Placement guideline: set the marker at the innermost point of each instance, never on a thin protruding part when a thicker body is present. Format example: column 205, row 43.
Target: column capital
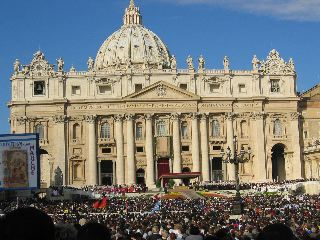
column 129, row 117
column 90, row 118
column 118, row 117
column 203, row 116
column 175, row 116
column 148, row 116
column 21, row 120
column 230, row 115
column 257, row 115
column 294, row 116
column 60, row 118
column 194, row 115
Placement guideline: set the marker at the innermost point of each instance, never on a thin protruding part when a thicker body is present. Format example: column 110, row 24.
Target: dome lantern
column 132, row 15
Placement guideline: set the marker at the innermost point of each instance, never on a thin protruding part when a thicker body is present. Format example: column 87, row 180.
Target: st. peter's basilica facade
column 133, row 116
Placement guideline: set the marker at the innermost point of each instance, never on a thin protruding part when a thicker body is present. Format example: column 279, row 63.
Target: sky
column 75, row 30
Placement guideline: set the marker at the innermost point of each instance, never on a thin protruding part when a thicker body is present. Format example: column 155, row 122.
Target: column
column 92, row 151
column 205, row 148
column 295, row 138
column 195, row 144
column 150, row 181
column 99, row 172
column 176, row 143
column 120, row 168
column 61, row 164
column 131, row 168
column 260, row 173
column 230, row 143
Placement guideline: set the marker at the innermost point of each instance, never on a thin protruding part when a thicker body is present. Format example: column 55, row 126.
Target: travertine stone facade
column 310, row 108
column 133, row 115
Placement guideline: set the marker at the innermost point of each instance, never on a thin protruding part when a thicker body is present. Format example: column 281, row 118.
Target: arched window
column 277, row 128
column 244, row 128
column 40, row 130
column 215, row 128
column 105, row 131
column 76, row 131
column 139, row 134
column 161, row 128
column 184, row 129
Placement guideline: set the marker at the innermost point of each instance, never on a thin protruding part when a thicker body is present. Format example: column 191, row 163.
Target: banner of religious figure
column 19, row 161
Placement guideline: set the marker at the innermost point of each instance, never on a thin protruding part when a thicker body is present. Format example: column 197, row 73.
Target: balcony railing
column 105, row 140
column 43, row 142
column 217, row 175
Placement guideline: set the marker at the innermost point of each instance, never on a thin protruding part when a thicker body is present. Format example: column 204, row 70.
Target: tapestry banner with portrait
column 19, row 161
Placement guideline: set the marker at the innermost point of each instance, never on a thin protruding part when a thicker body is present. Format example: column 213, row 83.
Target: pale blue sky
column 75, row 29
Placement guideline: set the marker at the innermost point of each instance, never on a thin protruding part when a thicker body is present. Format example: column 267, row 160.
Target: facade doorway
column 278, row 162
column 186, row 181
column 217, row 172
column 163, row 167
column 107, row 172
column 140, row 176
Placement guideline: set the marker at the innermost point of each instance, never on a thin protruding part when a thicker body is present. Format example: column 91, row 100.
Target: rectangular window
column 137, row 87
column 76, row 90
column 242, row 88
column 185, row 148
column 140, row 150
column 305, row 134
column 214, row 87
column 39, row 88
column 184, row 86
column 105, row 89
column 216, row 148
column 106, row 150
column 275, row 86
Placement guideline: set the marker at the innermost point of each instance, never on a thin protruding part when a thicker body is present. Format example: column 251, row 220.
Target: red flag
column 96, row 204
column 103, row 203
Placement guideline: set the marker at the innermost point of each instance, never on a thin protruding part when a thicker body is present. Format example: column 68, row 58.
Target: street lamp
column 238, row 157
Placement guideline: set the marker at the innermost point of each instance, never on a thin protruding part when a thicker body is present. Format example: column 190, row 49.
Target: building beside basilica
column 133, row 116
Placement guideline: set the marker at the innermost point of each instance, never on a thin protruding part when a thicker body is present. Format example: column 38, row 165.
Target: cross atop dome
column 132, row 15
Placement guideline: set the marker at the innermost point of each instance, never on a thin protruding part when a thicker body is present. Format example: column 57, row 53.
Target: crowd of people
column 147, row 217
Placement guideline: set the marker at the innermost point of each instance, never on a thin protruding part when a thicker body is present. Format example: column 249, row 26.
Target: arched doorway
column 107, row 172
column 140, row 176
column 186, row 181
column 216, row 167
column 278, row 162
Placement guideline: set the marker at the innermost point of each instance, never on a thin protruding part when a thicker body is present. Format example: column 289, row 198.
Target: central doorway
column 186, row 181
column 107, row 172
column 278, row 162
column 163, row 167
column 217, row 172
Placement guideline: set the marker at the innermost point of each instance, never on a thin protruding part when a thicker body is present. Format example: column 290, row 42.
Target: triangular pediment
column 162, row 90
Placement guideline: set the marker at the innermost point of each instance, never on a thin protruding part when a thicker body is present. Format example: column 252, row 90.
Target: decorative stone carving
column 129, row 117
column 295, row 115
column 173, row 63
column 90, row 118
column 275, row 65
column 148, row 116
column 39, row 66
column 190, row 63
column 72, row 69
column 90, row 64
column 175, row 116
column 21, row 120
column 194, row 115
column 226, row 63
column 60, row 118
column 60, row 64
column 161, row 90
column 203, row 117
column 201, row 63
column 255, row 63
column 16, row 66
column 229, row 115
column 118, row 117
column 257, row 115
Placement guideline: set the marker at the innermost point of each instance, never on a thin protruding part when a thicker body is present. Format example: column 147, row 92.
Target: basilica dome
column 133, row 46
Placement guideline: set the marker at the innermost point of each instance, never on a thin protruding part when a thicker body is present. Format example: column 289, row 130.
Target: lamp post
column 236, row 158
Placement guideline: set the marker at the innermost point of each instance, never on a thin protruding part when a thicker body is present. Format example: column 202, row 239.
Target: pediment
column 162, row 90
